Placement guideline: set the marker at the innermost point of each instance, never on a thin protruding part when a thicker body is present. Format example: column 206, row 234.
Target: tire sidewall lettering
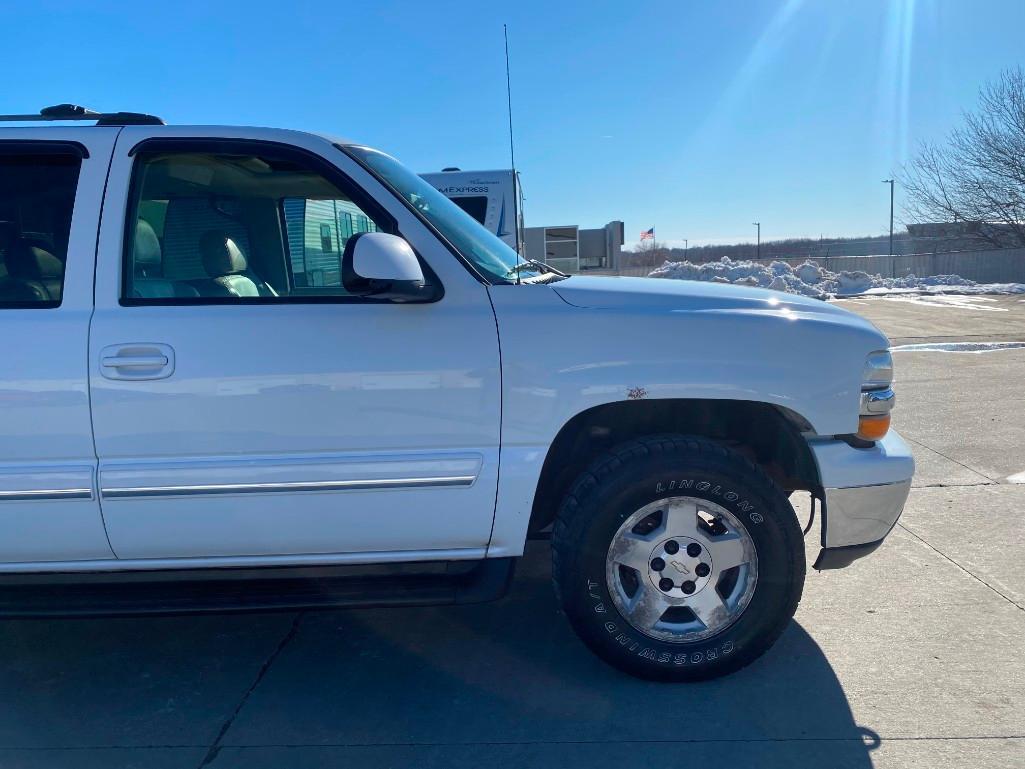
column 712, row 491
column 662, row 656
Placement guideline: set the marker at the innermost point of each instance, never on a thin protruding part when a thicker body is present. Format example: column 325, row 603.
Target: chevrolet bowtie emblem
column 680, row 567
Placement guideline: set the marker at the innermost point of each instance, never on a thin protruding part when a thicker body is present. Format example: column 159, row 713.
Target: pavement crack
column 519, row 743
column 966, row 467
column 215, row 747
column 974, row 576
column 954, row 485
column 86, row 748
column 677, row 741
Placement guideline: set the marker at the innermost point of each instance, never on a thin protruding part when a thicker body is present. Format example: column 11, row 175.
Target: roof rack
column 75, row 112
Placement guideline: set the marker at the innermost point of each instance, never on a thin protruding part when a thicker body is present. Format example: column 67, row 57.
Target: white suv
column 255, row 368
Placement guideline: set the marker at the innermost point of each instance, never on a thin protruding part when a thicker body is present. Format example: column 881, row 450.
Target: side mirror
column 383, row 266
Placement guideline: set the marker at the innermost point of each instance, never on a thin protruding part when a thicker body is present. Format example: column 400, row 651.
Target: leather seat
column 227, row 266
column 147, row 259
column 33, row 273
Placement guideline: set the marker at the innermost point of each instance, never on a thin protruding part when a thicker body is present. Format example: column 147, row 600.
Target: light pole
column 758, row 251
column 890, row 182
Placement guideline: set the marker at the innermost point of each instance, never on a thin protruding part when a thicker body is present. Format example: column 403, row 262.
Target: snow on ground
column 954, row 301
column 811, row 280
column 962, row 347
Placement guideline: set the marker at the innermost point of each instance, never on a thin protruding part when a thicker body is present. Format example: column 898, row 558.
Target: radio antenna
column 512, row 150
column 508, row 94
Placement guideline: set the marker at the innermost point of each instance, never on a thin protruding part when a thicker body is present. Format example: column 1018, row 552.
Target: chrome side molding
column 370, row 484
column 35, row 495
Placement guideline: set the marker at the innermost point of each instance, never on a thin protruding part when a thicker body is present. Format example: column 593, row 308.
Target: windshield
column 488, row 253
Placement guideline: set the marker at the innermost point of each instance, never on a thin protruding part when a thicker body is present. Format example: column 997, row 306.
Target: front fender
column 559, row 360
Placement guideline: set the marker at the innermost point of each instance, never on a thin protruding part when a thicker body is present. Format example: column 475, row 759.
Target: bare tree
column 978, row 174
column 651, row 255
column 656, row 253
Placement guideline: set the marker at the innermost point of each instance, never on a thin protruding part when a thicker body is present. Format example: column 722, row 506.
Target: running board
column 187, row 591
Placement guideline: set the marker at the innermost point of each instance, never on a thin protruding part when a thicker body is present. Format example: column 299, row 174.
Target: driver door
column 245, row 406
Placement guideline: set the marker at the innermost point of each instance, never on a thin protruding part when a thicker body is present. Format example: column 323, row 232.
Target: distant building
column 571, row 249
column 930, row 237
column 944, row 229
column 495, row 199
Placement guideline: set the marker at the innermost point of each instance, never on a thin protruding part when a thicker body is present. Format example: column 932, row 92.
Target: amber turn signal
column 872, row 428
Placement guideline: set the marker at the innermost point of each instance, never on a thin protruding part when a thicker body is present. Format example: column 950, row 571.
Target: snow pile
column 809, row 279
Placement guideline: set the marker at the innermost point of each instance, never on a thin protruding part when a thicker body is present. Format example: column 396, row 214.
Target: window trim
column 47, row 148
column 43, row 146
column 213, row 146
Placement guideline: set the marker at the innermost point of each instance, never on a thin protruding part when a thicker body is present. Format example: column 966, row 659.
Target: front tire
column 677, row 559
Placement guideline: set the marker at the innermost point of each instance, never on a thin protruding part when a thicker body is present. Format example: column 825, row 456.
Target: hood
column 663, row 294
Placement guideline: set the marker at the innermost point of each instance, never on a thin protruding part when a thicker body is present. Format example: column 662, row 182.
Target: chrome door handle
column 136, row 361
column 139, row 361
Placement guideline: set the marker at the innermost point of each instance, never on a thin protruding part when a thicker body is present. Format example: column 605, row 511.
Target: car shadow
column 505, row 683
column 512, row 675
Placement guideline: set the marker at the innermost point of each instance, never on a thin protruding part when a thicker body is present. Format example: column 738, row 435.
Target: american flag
column 648, row 234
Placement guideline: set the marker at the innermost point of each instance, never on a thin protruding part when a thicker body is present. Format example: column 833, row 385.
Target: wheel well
column 769, row 435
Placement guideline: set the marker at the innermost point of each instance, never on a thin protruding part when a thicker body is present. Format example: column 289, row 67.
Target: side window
column 229, row 227
column 37, row 197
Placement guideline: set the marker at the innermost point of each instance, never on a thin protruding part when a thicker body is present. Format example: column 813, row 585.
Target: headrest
column 221, row 256
column 30, row 262
column 147, row 245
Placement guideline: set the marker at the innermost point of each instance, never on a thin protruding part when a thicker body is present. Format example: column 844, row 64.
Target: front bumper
column 864, row 495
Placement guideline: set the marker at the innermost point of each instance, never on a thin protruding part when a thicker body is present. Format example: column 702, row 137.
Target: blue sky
column 697, row 118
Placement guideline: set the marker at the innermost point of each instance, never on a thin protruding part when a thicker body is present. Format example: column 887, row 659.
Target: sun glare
column 894, row 91
column 772, row 38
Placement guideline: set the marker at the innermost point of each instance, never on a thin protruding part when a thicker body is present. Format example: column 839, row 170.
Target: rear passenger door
column 50, row 196
column 245, row 405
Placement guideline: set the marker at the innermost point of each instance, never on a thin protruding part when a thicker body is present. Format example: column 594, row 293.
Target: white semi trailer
column 493, row 198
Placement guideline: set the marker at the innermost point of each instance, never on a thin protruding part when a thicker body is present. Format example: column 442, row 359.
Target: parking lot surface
column 910, row 658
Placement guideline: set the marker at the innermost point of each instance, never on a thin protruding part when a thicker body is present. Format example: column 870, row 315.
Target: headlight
column 878, row 371
column 877, row 398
